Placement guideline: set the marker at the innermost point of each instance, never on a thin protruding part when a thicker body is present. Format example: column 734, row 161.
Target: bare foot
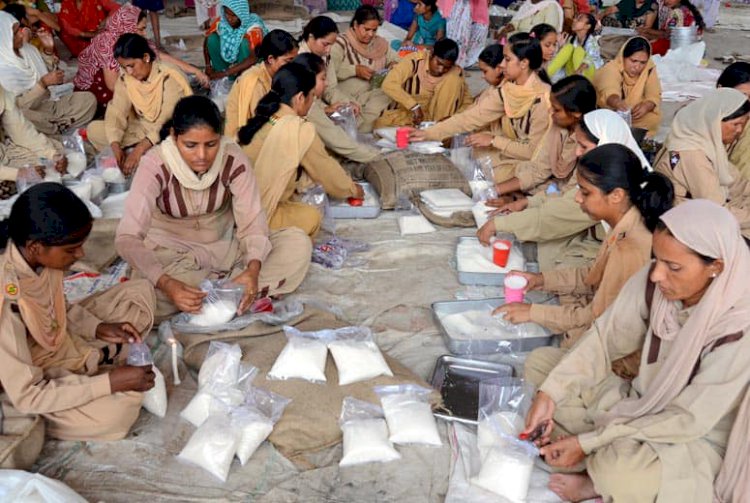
column 572, row 486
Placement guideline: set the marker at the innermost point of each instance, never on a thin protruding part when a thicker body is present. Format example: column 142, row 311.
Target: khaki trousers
column 134, row 133
column 294, row 214
column 55, row 117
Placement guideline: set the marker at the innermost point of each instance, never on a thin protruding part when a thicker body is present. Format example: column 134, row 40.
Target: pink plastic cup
column 514, row 288
column 402, row 137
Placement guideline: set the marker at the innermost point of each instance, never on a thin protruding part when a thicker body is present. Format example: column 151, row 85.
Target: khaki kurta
column 694, row 177
column 55, row 117
column 739, row 155
column 534, row 174
column 487, row 113
column 320, row 167
column 670, row 456
column 625, row 251
column 409, row 84
column 192, row 235
column 77, row 403
column 20, row 142
column 606, row 87
column 346, row 86
column 244, row 96
column 565, row 235
column 125, row 125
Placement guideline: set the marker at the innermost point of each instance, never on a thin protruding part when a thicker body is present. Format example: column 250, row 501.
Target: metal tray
column 478, row 278
column 457, row 380
column 342, row 209
column 485, row 346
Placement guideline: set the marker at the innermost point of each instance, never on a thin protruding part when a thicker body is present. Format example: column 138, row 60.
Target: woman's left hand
column 249, row 278
column 479, row 140
column 203, row 79
column 641, row 109
column 564, row 453
column 134, row 157
column 117, row 333
column 61, row 164
column 48, row 43
column 515, row 312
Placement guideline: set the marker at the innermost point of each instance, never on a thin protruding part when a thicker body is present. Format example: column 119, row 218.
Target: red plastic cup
column 402, row 137
column 514, row 288
column 501, row 252
column 262, row 305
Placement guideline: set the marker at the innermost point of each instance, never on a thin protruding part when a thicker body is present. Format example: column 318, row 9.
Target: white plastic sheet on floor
column 18, row 485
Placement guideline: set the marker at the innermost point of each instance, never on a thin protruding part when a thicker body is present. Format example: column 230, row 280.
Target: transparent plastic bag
column 506, row 470
column 283, row 312
column 220, row 92
column 316, row 196
column 220, row 304
column 254, row 420
column 219, row 395
column 503, row 405
column 334, row 252
column 212, row 446
column 482, row 181
column 27, row 177
column 303, row 357
column 221, row 367
column 344, row 118
column 75, row 152
column 357, row 356
column 461, row 154
column 408, row 414
column 365, row 434
column 376, row 82
column 155, row 399
column 22, row 486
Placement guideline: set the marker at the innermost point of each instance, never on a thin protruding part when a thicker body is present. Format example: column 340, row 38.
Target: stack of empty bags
column 445, row 202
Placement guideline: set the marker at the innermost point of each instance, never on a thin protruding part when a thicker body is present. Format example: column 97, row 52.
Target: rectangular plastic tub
column 463, row 346
column 342, row 209
column 457, row 380
column 481, row 278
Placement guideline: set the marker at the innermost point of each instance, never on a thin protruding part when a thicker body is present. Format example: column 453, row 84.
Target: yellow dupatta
column 518, row 100
column 613, row 79
column 147, row 96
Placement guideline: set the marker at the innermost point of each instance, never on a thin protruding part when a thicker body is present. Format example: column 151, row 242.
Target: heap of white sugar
column 471, row 256
column 214, row 313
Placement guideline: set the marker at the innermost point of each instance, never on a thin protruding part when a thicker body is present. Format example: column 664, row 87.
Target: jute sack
column 310, row 421
column 404, row 174
column 21, row 440
column 610, row 45
column 279, row 11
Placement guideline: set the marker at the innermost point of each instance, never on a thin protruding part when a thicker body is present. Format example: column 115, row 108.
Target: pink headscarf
column 100, row 54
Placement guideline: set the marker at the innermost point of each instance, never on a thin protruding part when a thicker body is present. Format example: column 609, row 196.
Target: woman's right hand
column 542, row 411
column 535, row 280
column 130, row 378
column 363, row 72
column 486, row 232
column 360, row 192
column 118, row 153
column 53, row 78
column 186, row 298
column 417, row 135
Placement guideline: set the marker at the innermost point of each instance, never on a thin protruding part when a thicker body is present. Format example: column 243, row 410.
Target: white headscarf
column 611, row 128
column 18, row 74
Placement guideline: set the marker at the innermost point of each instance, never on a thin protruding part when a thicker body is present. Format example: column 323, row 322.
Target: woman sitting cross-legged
column 288, row 155
column 666, row 435
column 194, row 212
column 56, row 359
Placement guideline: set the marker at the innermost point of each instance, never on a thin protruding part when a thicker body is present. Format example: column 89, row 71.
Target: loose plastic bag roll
column 254, row 420
column 408, row 414
column 365, row 434
column 303, row 357
column 212, row 446
column 357, row 356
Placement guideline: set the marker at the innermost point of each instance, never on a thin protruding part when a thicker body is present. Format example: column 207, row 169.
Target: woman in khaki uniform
column 27, row 74
column 145, row 96
column 518, row 115
column 277, row 49
column 194, row 212
column 356, row 56
column 555, row 158
column 695, row 155
column 318, row 38
column 631, row 83
column 565, row 235
column 284, row 147
column 614, row 188
column 666, row 435
column 54, row 356
column 425, row 86
column 737, row 76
